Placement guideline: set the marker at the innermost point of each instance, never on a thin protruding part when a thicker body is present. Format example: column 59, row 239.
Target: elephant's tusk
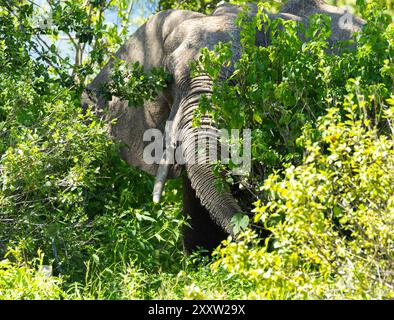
column 160, row 180
column 163, row 169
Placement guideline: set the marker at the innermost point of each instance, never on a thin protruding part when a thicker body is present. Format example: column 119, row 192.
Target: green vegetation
column 322, row 180
column 131, row 83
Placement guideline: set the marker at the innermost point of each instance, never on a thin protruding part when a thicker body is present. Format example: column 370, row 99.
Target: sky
column 142, row 9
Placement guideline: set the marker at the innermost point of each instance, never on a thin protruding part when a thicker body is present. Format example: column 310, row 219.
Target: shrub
column 19, row 280
column 65, row 190
column 326, row 148
column 63, row 187
column 331, row 220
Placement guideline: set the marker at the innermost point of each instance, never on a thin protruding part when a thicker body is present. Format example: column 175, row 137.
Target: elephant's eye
column 91, row 95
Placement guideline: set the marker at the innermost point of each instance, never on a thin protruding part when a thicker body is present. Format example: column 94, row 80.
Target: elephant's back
column 343, row 23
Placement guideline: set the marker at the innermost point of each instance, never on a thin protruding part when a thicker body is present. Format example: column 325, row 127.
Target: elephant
column 172, row 39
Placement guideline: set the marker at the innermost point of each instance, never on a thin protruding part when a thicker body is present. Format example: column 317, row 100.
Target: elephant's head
column 171, row 39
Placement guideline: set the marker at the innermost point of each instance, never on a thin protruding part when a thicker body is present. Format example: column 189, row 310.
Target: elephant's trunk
column 220, row 204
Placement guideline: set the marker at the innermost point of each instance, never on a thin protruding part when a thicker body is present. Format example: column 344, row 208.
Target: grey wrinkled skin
column 171, row 39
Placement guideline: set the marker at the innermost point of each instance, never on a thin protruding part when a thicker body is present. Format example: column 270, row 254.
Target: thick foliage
column 63, row 187
column 131, row 83
column 20, row 280
column 280, row 88
column 331, row 219
column 62, row 181
column 328, row 197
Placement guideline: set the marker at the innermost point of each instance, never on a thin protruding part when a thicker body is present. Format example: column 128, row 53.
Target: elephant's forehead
column 202, row 32
column 210, row 30
column 185, row 42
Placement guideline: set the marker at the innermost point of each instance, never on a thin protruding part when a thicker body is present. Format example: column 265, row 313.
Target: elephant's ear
column 130, row 123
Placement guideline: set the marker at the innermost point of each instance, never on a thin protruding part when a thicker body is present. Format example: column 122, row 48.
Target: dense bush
column 20, row 280
column 63, row 187
column 321, row 184
column 328, row 198
column 331, row 219
column 279, row 89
